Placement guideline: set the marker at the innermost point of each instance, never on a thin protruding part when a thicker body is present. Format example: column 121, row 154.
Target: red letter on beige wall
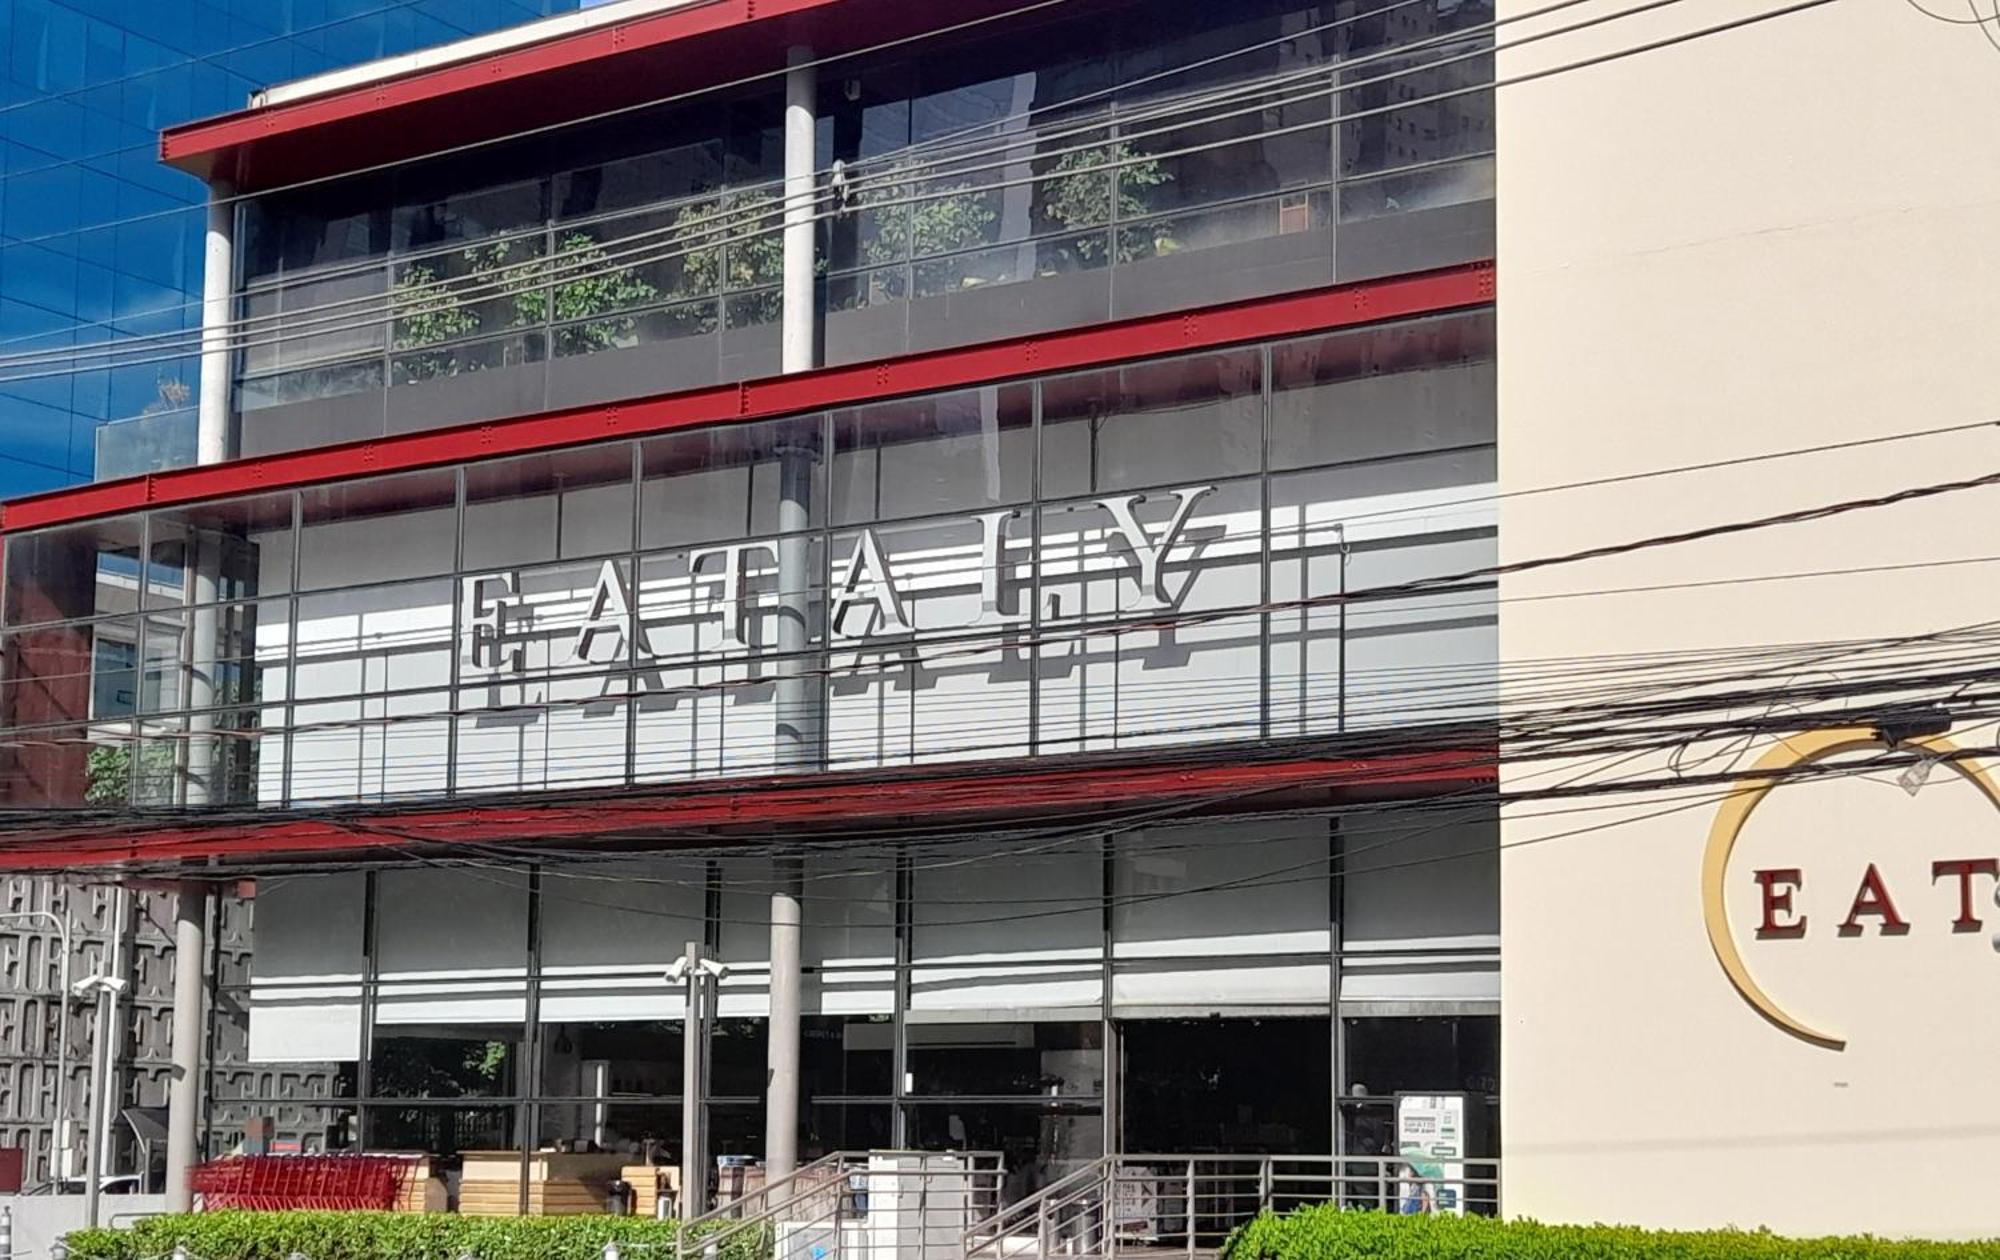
column 1965, row 869
column 1778, row 886
column 1873, row 898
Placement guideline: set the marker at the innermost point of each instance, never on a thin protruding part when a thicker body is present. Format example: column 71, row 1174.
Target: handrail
column 763, row 1207
column 734, row 1208
column 1036, row 1203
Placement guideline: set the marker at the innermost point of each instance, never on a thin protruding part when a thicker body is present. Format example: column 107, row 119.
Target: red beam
column 698, row 46
column 1342, row 306
column 830, row 800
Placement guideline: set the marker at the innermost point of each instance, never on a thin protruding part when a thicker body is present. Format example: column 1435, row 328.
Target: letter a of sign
column 867, row 580
column 1152, row 589
column 609, row 613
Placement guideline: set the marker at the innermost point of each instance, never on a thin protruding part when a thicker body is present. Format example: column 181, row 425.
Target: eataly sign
column 495, row 608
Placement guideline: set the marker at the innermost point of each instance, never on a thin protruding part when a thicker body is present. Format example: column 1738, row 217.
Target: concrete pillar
column 797, row 699
column 801, row 325
column 215, row 435
column 781, row 1116
column 184, row 1087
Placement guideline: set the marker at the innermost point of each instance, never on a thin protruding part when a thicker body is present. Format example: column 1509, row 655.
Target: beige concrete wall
column 1766, row 239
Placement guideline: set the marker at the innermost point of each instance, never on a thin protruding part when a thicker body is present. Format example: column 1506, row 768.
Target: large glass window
column 1153, row 424
column 379, row 530
column 1122, row 158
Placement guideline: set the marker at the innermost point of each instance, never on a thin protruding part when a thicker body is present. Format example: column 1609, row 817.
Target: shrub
column 1328, row 1233
column 396, row 1236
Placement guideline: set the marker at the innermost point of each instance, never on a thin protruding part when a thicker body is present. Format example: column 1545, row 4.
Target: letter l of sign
column 1152, row 591
column 992, row 555
column 610, row 612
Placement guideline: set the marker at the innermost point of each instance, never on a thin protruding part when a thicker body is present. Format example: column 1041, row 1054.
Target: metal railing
column 872, row 1205
column 1156, row 1204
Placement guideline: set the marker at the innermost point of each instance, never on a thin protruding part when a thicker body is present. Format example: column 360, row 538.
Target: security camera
column 96, row 984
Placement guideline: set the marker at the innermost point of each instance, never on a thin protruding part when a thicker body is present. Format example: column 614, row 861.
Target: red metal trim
column 829, row 801
column 1400, row 297
column 706, row 44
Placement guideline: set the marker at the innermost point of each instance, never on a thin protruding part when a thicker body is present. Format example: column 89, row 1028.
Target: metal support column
column 694, row 1081
column 796, row 726
column 184, row 1086
column 215, row 436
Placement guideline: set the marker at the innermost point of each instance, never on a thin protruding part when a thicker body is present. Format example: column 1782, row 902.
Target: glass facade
column 97, row 238
column 1134, row 159
column 1168, row 988
column 1177, row 551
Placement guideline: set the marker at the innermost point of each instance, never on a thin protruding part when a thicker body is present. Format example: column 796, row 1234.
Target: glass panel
column 71, row 572
column 1040, row 1142
column 847, row 1056
column 468, row 216
column 641, row 1130
column 984, row 1059
column 377, row 530
column 548, row 507
column 1444, row 185
column 1249, row 1086
column 1435, row 1054
column 944, row 453
column 1375, row 392
column 221, row 551
column 316, row 321
column 295, row 1127
column 309, row 383
column 1379, row 137
column 731, row 480
column 1173, row 422
column 646, row 178
column 606, row 1059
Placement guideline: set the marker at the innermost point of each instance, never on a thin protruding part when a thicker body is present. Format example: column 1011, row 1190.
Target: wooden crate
column 558, row 1184
column 649, row 1182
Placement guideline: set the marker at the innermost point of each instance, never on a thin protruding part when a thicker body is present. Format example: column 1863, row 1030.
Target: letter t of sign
column 1152, row 591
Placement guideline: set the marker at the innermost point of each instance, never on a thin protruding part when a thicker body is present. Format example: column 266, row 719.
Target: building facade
column 987, row 649
column 1024, row 544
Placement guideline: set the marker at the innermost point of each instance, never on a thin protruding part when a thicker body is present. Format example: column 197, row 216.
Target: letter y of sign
column 1146, row 550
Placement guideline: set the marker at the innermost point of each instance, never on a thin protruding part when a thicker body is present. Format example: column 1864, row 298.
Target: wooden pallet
column 558, row 1184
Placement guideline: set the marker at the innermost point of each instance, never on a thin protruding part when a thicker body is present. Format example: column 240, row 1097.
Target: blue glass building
column 97, row 238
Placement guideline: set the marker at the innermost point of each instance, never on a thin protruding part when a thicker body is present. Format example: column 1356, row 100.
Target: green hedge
column 1328, row 1233
column 396, row 1236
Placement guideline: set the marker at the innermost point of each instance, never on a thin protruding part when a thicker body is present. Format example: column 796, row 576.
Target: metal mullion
column 1113, row 1120
column 633, row 688
column 1336, row 880
column 457, row 629
column 529, row 1065
column 371, row 988
column 823, row 581
column 1034, row 645
column 292, row 651
column 899, row 1065
column 214, row 989
column 1264, row 549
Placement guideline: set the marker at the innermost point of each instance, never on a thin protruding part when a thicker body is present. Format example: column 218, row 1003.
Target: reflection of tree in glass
column 423, row 1067
column 1078, row 197
column 950, row 217
column 583, row 289
column 428, row 311
column 573, row 288
column 730, row 244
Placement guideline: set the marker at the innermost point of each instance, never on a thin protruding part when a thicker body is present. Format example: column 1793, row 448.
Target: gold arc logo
column 1770, row 771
